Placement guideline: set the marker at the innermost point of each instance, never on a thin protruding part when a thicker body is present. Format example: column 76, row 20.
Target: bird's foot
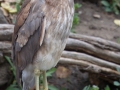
column 37, row 72
column 46, row 89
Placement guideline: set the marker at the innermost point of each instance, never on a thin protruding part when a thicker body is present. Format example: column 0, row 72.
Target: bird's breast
column 58, row 25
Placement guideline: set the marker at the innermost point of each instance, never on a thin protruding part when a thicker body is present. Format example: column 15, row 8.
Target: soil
column 94, row 21
column 103, row 26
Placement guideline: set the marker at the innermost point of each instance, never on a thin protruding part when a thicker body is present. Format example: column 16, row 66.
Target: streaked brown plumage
column 40, row 35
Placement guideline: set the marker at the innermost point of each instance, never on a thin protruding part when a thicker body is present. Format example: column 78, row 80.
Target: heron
column 40, row 35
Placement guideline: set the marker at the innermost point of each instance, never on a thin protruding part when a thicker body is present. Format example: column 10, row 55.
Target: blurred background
column 95, row 44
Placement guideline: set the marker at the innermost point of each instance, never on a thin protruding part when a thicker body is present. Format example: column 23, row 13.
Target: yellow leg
column 45, row 84
column 37, row 74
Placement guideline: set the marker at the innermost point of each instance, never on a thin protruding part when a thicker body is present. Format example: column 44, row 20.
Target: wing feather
column 28, row 35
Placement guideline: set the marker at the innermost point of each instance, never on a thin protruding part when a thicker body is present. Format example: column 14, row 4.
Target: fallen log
column 85, row 57
column 90, row 67
column 5, row 47
column 6, row 31
column 112, row 55
column 92, row 53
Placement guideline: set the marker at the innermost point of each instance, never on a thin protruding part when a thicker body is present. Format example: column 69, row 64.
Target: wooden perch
column 88, row 58
column 106, row 53
column 90, row 67
column 6, row 31
column 5, row 47
column 92, row 53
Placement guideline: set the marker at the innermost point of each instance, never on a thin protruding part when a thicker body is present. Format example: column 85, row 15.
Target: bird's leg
column 45, row 84
column 37, row 74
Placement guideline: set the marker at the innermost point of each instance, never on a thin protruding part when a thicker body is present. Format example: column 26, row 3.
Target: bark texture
column 93, row 54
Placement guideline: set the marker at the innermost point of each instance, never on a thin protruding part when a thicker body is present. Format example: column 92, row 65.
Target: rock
column 97, row 16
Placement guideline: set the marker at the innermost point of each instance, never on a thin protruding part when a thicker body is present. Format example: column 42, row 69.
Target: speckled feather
column 40, row 36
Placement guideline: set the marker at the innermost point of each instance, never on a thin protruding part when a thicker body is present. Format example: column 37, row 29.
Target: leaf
column 116, row 83
column 107, row 88
column 118, row 69
column 7, row 6
column 18, row 1
column 52, row 87
column 63, row 88
column 105, row 3
column 62, row 72
column 12, row 87
column 50, row 72
column 77, row 5
column 95, row 87
column 107, row 9
column 11, row 64
column 117, row 22
column 76, row 19
column 18, row 7
column 86, row 88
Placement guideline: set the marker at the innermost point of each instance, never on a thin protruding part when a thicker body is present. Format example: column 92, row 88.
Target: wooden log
column 94, row 54
column 88, row 58
column 90, row 67
column 97, row 41
column 6, row 31
column 5, row 47
column 1, row 58
column 88, row 48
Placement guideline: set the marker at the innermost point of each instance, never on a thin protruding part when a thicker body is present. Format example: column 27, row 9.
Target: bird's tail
column 28, row 78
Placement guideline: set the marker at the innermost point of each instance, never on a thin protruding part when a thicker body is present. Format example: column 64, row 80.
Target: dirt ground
column 94, row 21
column 103, row 26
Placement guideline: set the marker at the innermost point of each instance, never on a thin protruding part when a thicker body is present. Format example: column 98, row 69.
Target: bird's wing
column 28, row 34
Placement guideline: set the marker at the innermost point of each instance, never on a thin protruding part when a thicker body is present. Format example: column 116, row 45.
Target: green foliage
column 50, row 87
column 118, row 69
column 91, row 88
column 50, row 72
column 94, row 87
column 107, row 88
column 113, row 6
column 117, row 83
column 118, row 40
column 77, row 6
column 11, row 64
column 14, row 85
column 18, row 4
column 76, row 18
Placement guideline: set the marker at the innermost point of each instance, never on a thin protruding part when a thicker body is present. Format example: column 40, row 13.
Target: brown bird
column 39, row 37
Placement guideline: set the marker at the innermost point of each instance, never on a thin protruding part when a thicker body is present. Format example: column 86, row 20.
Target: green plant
column 14, row 85
column 94, row 87
column 113, row 6
column 117, row 83
column 18, row 4
column 118, row 40
column 76, row 18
